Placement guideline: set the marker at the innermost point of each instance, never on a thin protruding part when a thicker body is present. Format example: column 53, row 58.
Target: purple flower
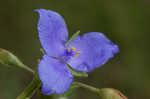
column 84, row 53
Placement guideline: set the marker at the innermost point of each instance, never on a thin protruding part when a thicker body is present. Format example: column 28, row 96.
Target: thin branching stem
column 90, row 88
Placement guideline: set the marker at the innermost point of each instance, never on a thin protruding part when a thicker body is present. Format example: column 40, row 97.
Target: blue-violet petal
column 53, row 32
column 54, row 75
column 96, row 49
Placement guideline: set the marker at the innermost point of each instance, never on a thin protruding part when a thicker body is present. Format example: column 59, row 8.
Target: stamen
column 77, row 54
column 73, row 52
column 74, row 49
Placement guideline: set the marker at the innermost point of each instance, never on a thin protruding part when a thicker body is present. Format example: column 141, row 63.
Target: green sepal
column 73, row 37
column 42, row 51
column 77, row 73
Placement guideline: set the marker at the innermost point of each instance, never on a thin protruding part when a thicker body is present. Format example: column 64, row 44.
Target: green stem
column 28, row 69
column 30, row 90
column 90, row 88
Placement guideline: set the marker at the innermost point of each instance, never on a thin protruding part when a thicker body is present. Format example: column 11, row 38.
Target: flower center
column 73, row 52
column 70, row 52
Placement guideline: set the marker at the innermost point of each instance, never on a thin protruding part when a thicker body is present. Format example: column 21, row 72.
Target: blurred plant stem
column 28, row 69
column 30, row 90
column 88, row 87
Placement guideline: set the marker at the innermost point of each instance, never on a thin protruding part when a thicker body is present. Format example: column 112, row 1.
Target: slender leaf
column 30, row 90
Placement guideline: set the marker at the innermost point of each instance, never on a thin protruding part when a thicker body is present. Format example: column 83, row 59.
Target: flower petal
column 96, row 50
column 55, row 76
column 53, row 32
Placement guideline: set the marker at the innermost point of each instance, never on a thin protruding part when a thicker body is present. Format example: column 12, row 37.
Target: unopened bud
column 8, row 58
column 110, row 93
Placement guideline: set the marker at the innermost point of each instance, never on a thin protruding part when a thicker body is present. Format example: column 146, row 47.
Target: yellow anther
column 68, row 49
column 74, row 49
column 77, row 54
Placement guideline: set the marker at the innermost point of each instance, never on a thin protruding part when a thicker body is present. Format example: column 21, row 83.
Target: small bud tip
column 110, row 93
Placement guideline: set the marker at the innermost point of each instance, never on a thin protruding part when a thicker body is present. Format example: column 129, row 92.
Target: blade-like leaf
column 30, row 90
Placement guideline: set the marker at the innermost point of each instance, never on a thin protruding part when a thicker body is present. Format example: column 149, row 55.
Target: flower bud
column 110, row 93
column 8, row 58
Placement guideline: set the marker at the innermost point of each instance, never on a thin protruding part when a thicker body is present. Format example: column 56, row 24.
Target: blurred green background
column 125, row 22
